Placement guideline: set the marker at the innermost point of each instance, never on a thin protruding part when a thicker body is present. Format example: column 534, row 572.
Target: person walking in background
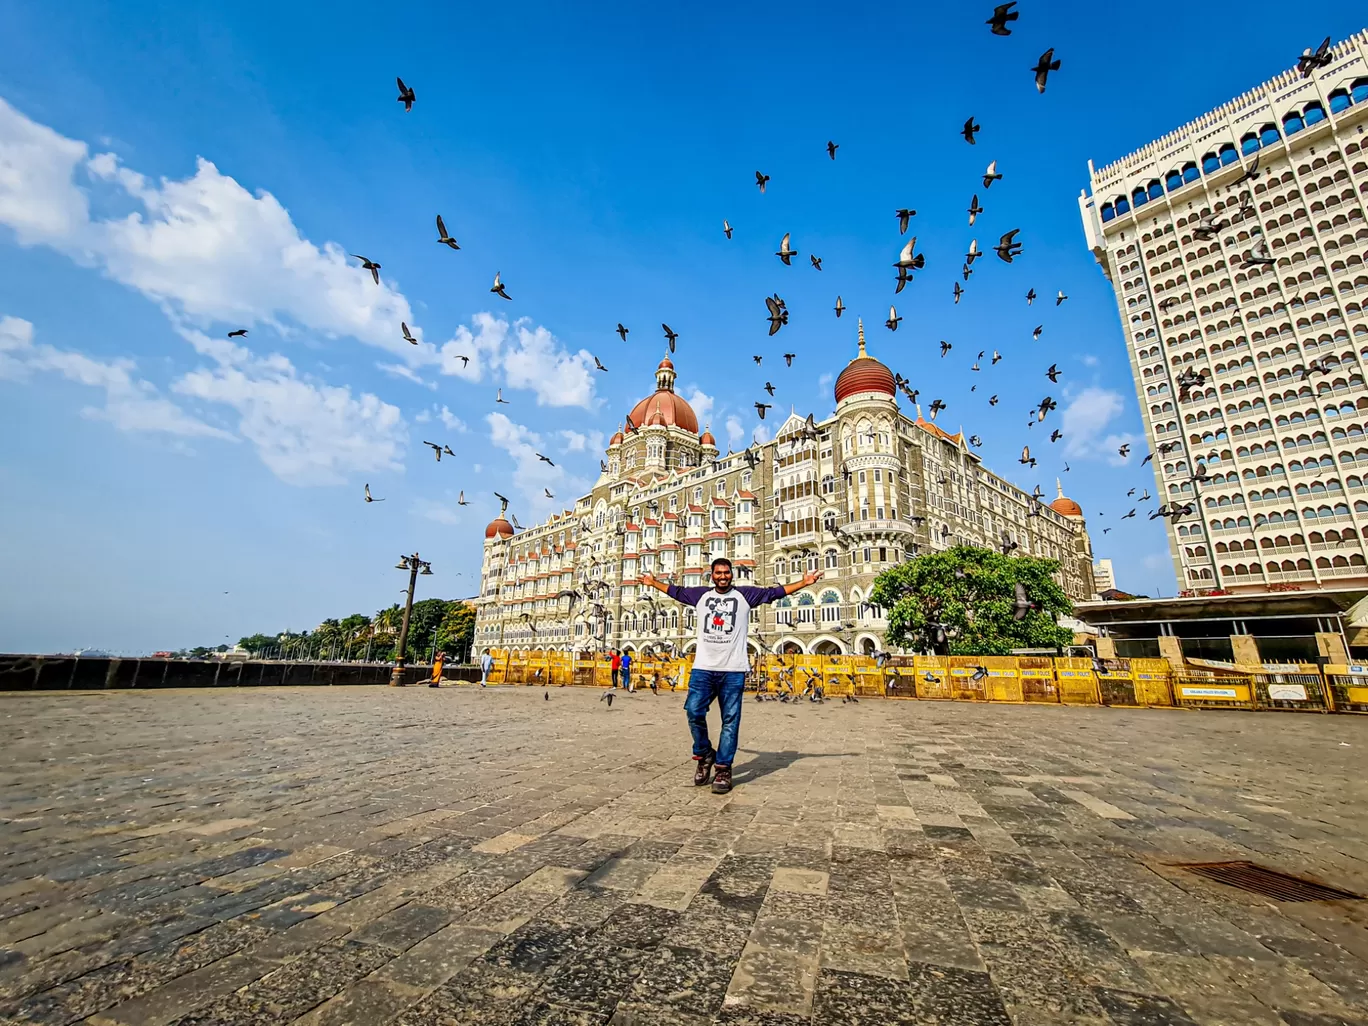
column 719, row 669
column 616, row 664
column 486, row 664
column 627, row 671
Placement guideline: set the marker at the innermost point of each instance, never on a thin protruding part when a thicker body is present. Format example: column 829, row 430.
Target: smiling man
column 720, row 664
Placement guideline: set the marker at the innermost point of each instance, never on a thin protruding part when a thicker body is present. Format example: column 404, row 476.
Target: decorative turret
column 864, row 374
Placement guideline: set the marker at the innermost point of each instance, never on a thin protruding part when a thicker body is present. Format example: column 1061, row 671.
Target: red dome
column 864, row 374
column 617, row 438
column 499, row 528
column 1066, row 507
column 664, row 407
column 708, row 438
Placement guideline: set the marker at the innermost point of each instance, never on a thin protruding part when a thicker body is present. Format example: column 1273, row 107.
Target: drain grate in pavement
column 1269, row 882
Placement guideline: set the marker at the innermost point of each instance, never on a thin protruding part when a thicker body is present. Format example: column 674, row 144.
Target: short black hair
column 720, row 559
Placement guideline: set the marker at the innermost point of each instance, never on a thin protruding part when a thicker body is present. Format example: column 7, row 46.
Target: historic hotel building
column 1279, row 418
column 870, row 489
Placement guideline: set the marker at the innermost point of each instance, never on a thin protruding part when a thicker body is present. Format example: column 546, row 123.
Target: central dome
column 864, row 374
column 664, row 407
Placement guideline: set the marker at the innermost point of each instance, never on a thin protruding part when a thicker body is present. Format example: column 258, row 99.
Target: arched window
column 1108, row 212
column 1249, row 143
column 784, row 612
column 1339, row 100
column 1174, row 180
column 1292, row 123
column 1313, row 113
column 1190, row 172
column 1228, row 154
column 807, row 608
column 1122, row 205
column 831, row 607
column 831, row 559
column 1155, row 189
column 1138, row 197
column 1210, row 163
column 1268, row 135
column 1358, row 90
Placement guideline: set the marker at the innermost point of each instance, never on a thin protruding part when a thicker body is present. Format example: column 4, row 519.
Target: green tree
column 456, row 633
column 969, row 593
column 355, row 630
column 428, row 615
column 258, row 643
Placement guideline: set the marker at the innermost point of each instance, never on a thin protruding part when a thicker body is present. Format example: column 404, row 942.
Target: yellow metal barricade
column 1302, row 690
column 901, row 677
column 584, row 670
column 1116, row 683
column 1077, row 682
column 499, row 671
column 1037, row 679
column 538, row 668
column 933, row 677
column 1228, row 691
column 1348, row 687
column 964, row 686
column 1153, row 683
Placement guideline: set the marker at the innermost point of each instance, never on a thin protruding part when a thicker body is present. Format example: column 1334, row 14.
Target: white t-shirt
column 723, row 622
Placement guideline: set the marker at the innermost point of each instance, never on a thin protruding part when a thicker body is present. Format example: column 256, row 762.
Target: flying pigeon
column 443, row 238
column 1124, row 451
column 368, row 496
column 598, row 365
column 832, row 148
column 1030, row 297
column 788, row 359
column 1036, row 332
column 544, row 459
column 892, row 323
column 1021, row 602
column 406, row 95
column 408, row 336
column 991, row 175
column 461, row 499
column 778, row 316
column 786, row 253
column 757, row 360
column 973, row 253
column 840, row 306
column 1043, row 67
column 369, row 265
column 816, row 261
column 936, row 406
column 1308, row 62
column 239, row 333
column 968, row 131
column 1007, row 246
column 769, row 387
column 902, row 280
column 1056, row 435
column 959, row 291
column 996, row 356
column 436, row 450
column 904, row 214
column 1053, row 373
column 1002, row 14
column 760, row 180
column 726, row 228
column 498, row 287
column 945, row 347
column 622, row 332
column 1060, row 297
column 974, row 210
column 670, row 336
column 498, row 398
column 760, row 408
column 906, row 259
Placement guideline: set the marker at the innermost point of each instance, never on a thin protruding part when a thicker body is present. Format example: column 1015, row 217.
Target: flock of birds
column 908, row 264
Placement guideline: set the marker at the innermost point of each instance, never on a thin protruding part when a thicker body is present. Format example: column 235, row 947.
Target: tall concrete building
column 1104, row 576
column 853, row 495
column 1236, row 246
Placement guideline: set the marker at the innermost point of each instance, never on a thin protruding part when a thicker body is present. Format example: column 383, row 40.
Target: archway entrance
column 790, row 648
column 828, row 648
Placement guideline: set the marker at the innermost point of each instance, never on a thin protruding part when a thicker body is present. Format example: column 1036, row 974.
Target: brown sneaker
column 703, row 771
column 722, row 780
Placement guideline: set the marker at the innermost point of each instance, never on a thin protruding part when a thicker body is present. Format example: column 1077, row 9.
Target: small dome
column 664, row 406
column 664, row 363
column 616, row 439
column 1065, row 506
column 499, row 528
column 708, row 438
column 656, row 418
column 864, row 374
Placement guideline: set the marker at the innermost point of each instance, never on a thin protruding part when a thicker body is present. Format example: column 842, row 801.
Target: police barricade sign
column 1077, row 682
column 1037, row 679
column 1348, row 686
column 1153, row 684
column 1212, row 692
column 1115, row 683
column 1298, row 688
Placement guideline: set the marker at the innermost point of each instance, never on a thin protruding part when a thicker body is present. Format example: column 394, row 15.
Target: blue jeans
column 627, row 677
column 726, row 686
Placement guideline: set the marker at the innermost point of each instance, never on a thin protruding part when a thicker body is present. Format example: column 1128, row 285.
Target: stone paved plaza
column 369, row 855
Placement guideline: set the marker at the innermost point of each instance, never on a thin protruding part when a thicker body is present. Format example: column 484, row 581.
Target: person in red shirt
column 617, row 666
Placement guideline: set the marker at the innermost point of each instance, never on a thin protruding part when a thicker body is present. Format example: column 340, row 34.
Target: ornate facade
column 1279, row 416
column 865, row 490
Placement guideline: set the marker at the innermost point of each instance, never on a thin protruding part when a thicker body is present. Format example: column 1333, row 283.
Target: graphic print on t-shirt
column 719, row 619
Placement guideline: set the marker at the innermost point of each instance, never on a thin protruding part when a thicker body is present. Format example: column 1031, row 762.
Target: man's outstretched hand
column 811, row 577
column 648, row 579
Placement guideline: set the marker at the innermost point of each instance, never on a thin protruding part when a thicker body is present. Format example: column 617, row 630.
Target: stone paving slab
column 371, row 855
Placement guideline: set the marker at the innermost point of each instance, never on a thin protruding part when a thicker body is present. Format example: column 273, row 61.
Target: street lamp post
column 414, row 566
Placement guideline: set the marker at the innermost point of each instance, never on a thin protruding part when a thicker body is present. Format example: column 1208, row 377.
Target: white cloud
column 531, row 475
column 208, row 249
column 1085, row 421
column 702, row 403
column 439, row 512
column 736, row 432
column 762, row 433
column 398, row 370
column 131, row 404
column 306, row 432
column 576, row 441
column 529, row 357
column 825, row 380
column 450, row 420
column 1089, row 360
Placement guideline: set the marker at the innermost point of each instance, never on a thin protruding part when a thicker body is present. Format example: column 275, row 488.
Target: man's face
column 721, row 577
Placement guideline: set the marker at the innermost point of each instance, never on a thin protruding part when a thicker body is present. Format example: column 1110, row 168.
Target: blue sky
column 169, row 173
